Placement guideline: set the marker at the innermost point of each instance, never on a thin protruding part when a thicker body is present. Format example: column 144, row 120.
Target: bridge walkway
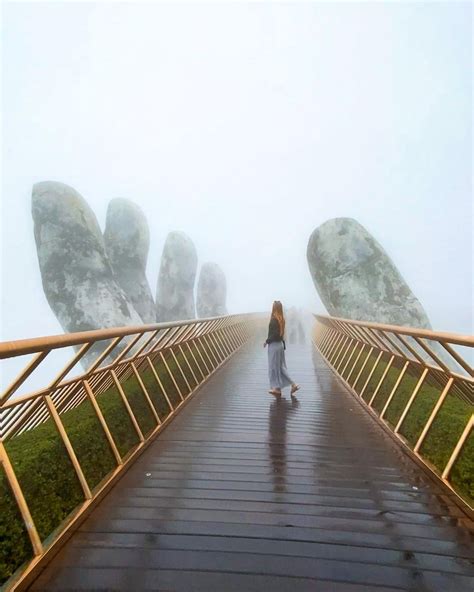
column 245, row 492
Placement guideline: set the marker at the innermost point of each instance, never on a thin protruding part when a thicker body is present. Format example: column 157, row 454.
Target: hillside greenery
column 44, row 469
column 446, row 429
column 53, row 492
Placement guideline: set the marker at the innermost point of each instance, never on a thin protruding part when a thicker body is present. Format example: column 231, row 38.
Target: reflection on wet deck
column 247, row 492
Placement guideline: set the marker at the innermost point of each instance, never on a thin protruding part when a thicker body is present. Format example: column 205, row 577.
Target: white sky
column 246, row 126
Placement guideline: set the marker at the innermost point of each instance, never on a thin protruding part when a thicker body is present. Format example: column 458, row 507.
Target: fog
column 246, row 126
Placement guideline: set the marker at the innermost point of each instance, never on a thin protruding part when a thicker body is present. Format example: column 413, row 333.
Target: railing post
column 458, row 448
column 394, row 389
column 67, row 444
column 411, row 399
column 146, row 394
column 203, row 376
column 171, row 376
column 433, row 414
column 21, row 502
column 334, row 351
column 333, row 335
column 198, row 349
column 369, row 353
column 361, row 394
column 355, row 363
column 354, row 349
column 348, row 348
column 160, row 384
column 133, row 419
column 340, row 350
column 103, row 423
column 385, row 372
column 180, row 370
column 196, row 381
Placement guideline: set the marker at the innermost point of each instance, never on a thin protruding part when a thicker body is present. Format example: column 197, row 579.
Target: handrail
column 405, row 377
column 134, row 381
column 20, row 347
column 455, row 338
column 445, row 358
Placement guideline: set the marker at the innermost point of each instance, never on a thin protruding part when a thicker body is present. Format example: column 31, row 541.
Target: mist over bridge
column 167, row 466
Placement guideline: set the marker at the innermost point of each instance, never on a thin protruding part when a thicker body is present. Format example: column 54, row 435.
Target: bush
column 43, row 467
column 52, row 489
column 446, row 429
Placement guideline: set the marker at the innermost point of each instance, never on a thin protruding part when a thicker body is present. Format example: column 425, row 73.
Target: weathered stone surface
column 175, row 286
column 356, row 279
column 77, row 277
column 127, row 241
column 211, row 291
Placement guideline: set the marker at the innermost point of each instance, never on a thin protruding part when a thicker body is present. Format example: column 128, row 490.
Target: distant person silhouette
column 277, row 371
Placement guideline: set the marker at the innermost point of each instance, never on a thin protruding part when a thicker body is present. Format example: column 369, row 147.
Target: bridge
column 164, row 464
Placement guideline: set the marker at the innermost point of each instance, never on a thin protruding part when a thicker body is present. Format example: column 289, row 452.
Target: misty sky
column 246, row 126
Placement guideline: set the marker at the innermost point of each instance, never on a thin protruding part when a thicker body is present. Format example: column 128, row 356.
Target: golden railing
column 136, row 380
column 417, row 383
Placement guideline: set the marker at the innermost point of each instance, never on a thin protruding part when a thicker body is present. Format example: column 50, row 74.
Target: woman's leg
column 274, row 376
column 286, row 377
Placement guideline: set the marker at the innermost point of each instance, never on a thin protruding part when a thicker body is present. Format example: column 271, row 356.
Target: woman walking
column 277, row 371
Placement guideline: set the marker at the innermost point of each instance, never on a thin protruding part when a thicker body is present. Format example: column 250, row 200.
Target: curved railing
column 418, row 383
column 63, row 446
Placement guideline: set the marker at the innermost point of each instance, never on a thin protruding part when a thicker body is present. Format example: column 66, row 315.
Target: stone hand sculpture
column 127, row 241
column 76, row 273
column 356, row 279
column 175, row 286
column 211, row 291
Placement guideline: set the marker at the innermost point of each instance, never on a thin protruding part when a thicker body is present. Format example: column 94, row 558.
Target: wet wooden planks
column 245, row 492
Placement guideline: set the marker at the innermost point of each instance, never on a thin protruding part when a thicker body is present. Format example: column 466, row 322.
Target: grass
column 446, row 428
column 52, row 489
column 15, row 548
column 44, row 469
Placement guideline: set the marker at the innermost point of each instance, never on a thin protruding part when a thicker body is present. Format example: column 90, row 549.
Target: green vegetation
column 446, row 428
column 15, row 546
column 43, row 467
column 52, row 489
column 463, row 471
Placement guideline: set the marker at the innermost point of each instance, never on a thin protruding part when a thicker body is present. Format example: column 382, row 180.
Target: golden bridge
column 156, row 460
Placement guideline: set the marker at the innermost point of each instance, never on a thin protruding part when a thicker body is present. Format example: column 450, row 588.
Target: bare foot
column 294, row 387
column 274, row 392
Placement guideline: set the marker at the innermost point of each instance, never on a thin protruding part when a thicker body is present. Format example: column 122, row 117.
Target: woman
column 277, row 372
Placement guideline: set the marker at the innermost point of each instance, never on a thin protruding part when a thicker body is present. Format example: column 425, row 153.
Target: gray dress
column 277, row 371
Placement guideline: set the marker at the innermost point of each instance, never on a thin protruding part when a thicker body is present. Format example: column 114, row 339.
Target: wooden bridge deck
column 245, row 492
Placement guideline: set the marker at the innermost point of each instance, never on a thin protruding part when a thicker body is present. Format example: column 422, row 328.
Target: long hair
column 277, row 313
